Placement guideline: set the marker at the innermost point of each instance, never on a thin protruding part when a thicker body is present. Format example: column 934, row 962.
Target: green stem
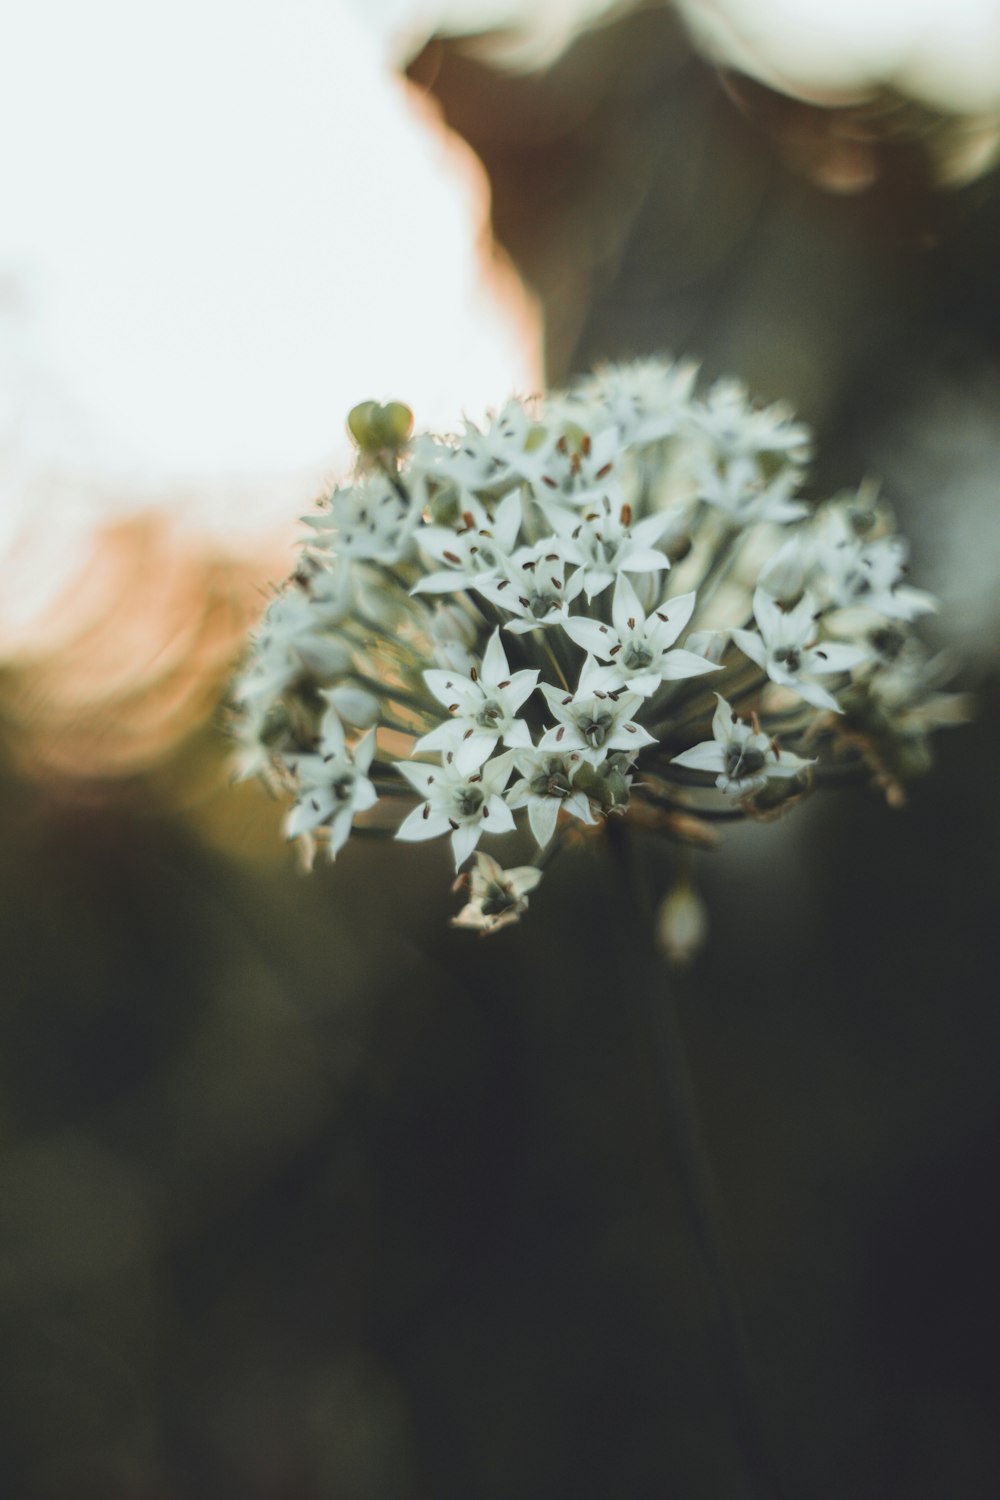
column 704, row 1207
column 706, row 814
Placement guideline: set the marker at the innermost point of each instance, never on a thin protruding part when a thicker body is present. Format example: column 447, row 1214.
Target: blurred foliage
column 304, row 1196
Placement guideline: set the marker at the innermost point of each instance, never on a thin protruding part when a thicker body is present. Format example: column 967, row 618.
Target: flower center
column 542, row 604
column 468, row 801
column 496, row 900
column 595, row 729
column 636, row 656
column 488, row 714
column 743, row 760
column 552, row 782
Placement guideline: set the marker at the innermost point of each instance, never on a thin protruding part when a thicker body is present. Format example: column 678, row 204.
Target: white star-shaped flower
column 647, row 399
column 484, row 708
column 333, row 785
column 536, row 591
column 473, row 552
column 736, row 428
column 638, row 645
column 606, row 542
column 594, row 720
column 741, row 754
column 371, row 522
column 497, row 897
column 746, row 495
column 580, row 468
column 870, row 574
column 466, row 806
column 546, row 789
column 786, row 649
column 511, row 449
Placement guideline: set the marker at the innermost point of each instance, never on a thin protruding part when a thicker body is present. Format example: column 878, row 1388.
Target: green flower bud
column 375, row 428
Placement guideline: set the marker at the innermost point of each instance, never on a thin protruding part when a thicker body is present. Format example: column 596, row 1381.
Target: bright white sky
column 225, row 222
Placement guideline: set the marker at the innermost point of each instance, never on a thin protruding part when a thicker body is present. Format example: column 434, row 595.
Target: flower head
column 522, row 630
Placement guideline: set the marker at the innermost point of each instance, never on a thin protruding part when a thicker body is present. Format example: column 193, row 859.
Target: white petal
column 579, row 806
column 708, row 756
column 787, row 764
column 495, row 666
column 421, row 777
column 680, row 663
column 463, row 841
column 518, row 735
column 769, row 617
column 722, row 723
column 365, row 795
column 447, row 687
column 595, row 581
column 814, row 694
column 543, row 815
column 523, row 879
column 521, row 686
column 497, row 816
column 443, row 583
column 752, row 645
column 625, row 606
column 340, row 831
column 472, row 750
column 629, row 736
column 445, row 736
column 678, row 612
column 417, row 826
column 304, row 815
column 645, row 684
column 507, row 521
column 332, row 733
column 644, row 560
column 834, row 656
column 591, row 635
column 363, row 751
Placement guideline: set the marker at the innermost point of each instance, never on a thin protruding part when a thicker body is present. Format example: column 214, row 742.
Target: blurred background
column 302, row 1195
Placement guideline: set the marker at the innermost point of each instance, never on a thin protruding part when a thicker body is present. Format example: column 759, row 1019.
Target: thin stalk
column 698, row 1181
column 706, row 814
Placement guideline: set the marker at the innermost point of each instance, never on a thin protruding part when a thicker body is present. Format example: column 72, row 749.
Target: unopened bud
column 375, row 428
column 682, row 924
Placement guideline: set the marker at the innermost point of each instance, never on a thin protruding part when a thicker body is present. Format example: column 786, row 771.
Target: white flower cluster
column 614, row 602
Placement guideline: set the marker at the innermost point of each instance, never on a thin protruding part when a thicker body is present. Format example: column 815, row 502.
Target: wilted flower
column 568, row 613
column 497, row 897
